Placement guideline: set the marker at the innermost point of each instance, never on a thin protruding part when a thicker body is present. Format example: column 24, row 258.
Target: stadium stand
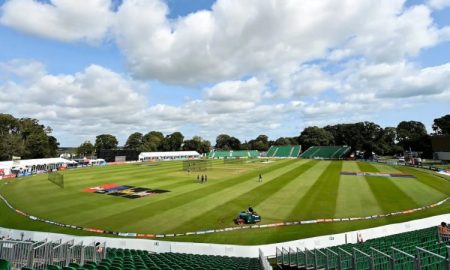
column 79, row 257
column 144, row 260
column 51, row 255
column 234, row 154
column 421, row 249
column 326, row 152
column 284, row 151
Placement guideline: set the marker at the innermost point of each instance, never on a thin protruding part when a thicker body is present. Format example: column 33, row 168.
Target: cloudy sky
column 204, row 67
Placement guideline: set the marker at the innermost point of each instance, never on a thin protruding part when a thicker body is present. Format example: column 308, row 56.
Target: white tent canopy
column 30, row 163
column 168, row 155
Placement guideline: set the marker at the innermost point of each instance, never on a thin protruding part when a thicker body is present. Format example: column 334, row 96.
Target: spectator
column 98, row 248
column 359, row 238
column 443, row 229
column 444, row 234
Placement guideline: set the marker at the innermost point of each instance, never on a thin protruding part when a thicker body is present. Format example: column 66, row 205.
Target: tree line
column 26, row 138
column 363, row 136
column 151, row 142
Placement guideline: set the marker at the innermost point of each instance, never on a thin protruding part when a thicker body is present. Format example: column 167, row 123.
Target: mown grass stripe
column 320, row 200
column 355, row 198
column 231, row 206
column 421, row 193
column 390, row 198
column 95, row 205
column 157, row 207
column 427, row 178
column 73, row 196
column 210, row 202
column 279, row 205
column 200, row 204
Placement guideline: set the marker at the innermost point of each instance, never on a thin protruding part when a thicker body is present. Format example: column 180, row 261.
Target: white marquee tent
column 33, row 165
column 168, row 155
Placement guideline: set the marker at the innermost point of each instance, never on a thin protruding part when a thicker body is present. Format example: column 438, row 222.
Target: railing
column 37, row 255
column 279, row 256
column 301, row 258
column 18, row 253
column 321, row 259
column 41, row 255
column 60, row 254
column 362, row 260
column 381, row 260
column 345, row 259
column 263, row 262
column 76, row 253
column 333, row 259
column 403, row 260
column 94, row 252
column 365, row 259
column 429, row 260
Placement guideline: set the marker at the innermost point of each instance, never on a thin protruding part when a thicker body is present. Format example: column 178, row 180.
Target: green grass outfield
column 291, row 190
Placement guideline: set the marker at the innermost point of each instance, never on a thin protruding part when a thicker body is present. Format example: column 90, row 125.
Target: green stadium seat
column 53, row 267
column 284, row 151
column 4, row 265
column 74, row 265
column 326, row 152
column 90, row 266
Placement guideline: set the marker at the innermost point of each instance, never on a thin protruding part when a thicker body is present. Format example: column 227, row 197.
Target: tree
column 356, row 135
column 85, row 149
column 11, row 145
column 226, row 142
column 34, row 137
column 53, row 145
column 285, row 141
column 10, row 139
column 173, row 142
column 105, row 141
column 387, row 142
column 26, row 138
column 413, row 135
column 134, row 141
column 261, row 143
column 197, row 144
column 152, row 141
column 311, row 136
column 409, row 132
column 442, row 125
column 222, row 142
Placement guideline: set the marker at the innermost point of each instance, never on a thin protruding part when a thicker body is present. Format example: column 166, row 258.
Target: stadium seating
column 326, row 152
column 4, row 265
column 234, row 154
column 130, row 259
column 125, row 259
column 284, row 151
column 419, row 249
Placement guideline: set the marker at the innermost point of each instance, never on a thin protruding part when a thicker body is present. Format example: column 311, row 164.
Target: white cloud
column 95, row 99
column 439, row 4
column 332, row 59
column 236, row 38
column 65, row 20
column 301, row 81
column 394, row 80
column 401, row 33
column 249, row 90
